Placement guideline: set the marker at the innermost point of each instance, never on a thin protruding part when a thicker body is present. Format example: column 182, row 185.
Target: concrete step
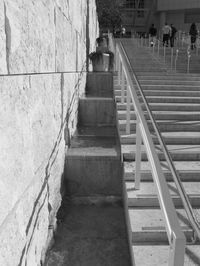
column 95, row 111
column 164, row 126
column 170, row 138
column 164, row 93
column 156, row 254
column 157, row 87
column 146, row 196
column 167, row 99
column 147, row 225
column 92, row 234
column 165, row 107
column 164, row 115
column 181, row 167
column 171, row 82
column 93, row 164
column 99, row 84
column 177, row 152
column 160, row 77
column 146, row 176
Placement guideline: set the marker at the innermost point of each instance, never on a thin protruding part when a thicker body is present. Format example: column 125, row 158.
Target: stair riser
column 179, row 117
column 184, row 108
column 155, row 236
column 172, row 82
column 167, row 100
column 164, row 88
column 152, row 202
column 175, row 157
column 165, row 128
column 99, row 84
column 168, row 141
column 184, row 176
column 97, row 112
column 90, row 176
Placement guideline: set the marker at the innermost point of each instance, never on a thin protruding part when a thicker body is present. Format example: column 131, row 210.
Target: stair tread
column 168, row 112
column 152, row 220
column 148, row 189
column 180, row 166
column 159, row 255
column 146, row 175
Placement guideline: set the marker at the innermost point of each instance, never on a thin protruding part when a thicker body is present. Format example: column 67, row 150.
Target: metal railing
column 183, row 195
column 175, row 235
column 174, row 51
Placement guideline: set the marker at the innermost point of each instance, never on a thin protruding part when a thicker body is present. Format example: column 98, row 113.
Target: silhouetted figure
column 193, row 35
column 166, row 34
column 152, row 35
column 173, row 34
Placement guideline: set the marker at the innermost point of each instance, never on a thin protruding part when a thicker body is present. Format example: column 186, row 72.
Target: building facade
column 138, row 15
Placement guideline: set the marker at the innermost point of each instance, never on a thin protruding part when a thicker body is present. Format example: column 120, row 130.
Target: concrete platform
column 90, row 235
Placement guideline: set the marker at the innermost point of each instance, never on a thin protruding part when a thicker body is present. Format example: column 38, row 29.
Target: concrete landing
column 92, row 235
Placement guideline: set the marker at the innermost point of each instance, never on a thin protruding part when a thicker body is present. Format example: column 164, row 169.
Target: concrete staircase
column 174, row 100
column 91, row 221
column 182, row 58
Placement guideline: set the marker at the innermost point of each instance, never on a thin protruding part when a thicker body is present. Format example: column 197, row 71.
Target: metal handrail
column 175, row 235
column 186, row 202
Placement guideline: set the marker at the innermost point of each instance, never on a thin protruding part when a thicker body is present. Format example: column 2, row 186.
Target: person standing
column 193, row 35
column 166, row 34
column 152, row 35
column 173, row 34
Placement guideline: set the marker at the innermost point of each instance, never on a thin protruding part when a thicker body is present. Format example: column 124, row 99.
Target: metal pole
column 128, row 110
column 122, row 87
column 172, row 55
column 164, row 52
column 176, row 58
column 158, row 47
column 138, row 155
column 188, row 61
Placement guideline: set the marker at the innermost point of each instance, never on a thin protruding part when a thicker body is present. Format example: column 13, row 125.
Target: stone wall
column 42, row 75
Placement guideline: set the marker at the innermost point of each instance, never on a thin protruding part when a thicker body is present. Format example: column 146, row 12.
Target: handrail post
column 158, row 47
column 119, row 73
column 138, row 155
column 176, row 58
column 117, row 61
column 188, row 59
column 177, row 251
column 164, row 50
column 122, row 87
column 128, row 109
column 172, row 54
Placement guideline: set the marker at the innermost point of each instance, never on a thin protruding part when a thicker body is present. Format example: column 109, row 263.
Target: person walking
column 193, row 35
column 172, row 36
column 152, row 35
column 166, row 34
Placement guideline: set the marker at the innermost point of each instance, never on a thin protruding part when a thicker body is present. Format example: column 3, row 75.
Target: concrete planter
column 101, row 61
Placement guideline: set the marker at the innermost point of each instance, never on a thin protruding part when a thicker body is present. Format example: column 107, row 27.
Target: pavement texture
column 90, row 235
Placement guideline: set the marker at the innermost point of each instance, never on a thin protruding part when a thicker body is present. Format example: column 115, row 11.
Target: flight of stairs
column 179, row 53
column 174, row 100
column 91, row 221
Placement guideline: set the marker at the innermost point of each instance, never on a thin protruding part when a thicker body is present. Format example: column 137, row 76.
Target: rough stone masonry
column 43, row 46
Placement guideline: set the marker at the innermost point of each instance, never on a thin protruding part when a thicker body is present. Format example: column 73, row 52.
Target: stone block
column 99, row 84
column 97, row 112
